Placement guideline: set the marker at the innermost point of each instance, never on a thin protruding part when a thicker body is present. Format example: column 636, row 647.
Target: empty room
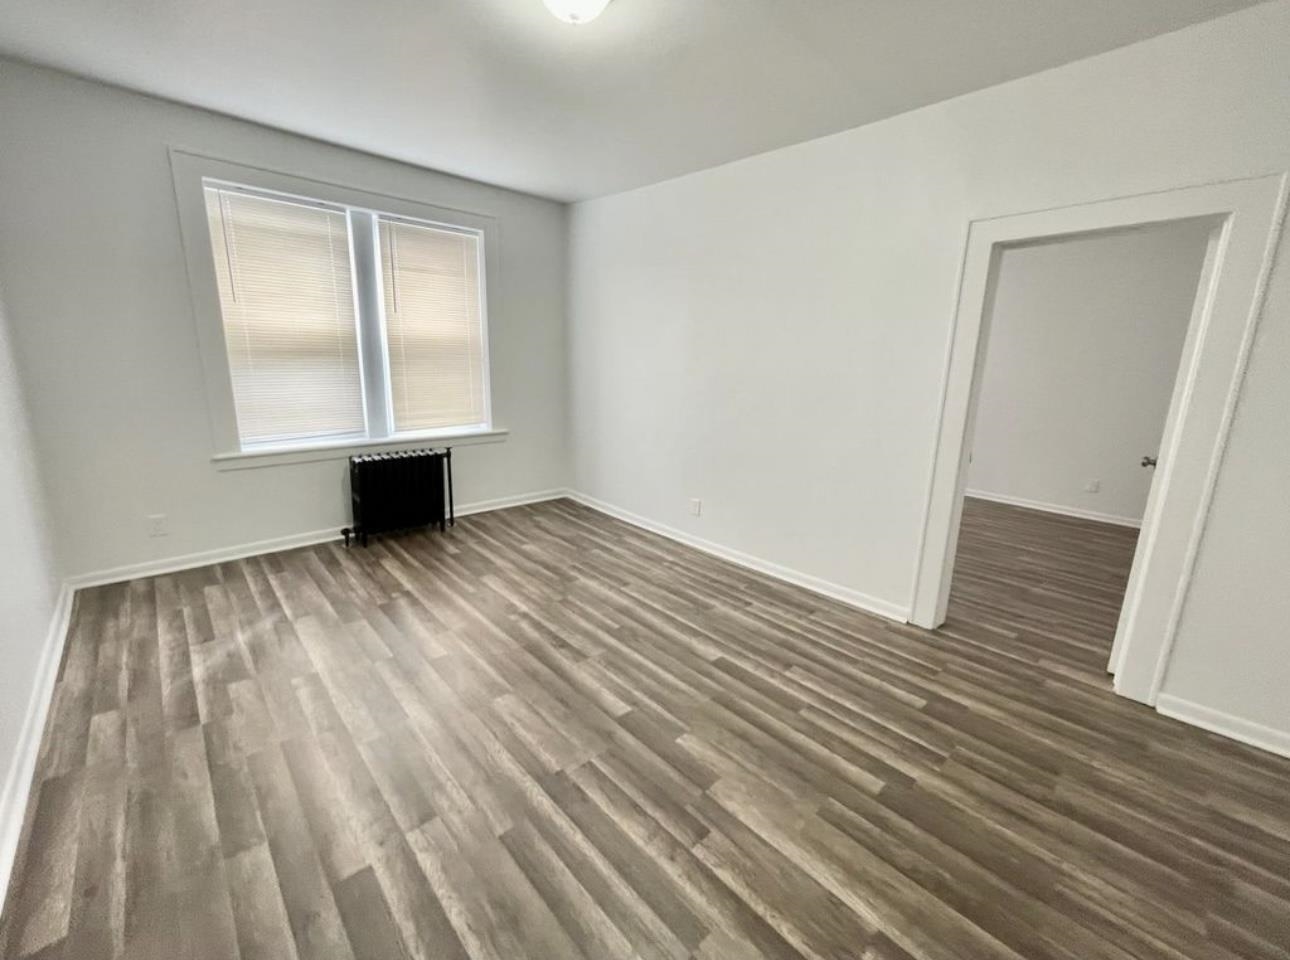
column 503, row 479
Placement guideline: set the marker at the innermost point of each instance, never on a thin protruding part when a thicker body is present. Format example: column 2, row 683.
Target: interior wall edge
column 17, row 783
column 1058, row 508
column 854, row 598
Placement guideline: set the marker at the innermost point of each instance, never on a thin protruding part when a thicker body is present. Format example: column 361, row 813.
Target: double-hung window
column 344, row 324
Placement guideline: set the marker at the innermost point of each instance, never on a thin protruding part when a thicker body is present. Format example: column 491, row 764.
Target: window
column 432, row 323
column 344, row 323
column 286, row 293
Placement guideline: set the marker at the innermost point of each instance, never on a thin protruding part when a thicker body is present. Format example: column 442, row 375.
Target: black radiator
column 400, row 491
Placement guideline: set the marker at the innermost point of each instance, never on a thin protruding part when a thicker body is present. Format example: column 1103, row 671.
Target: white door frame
column 1247, row 217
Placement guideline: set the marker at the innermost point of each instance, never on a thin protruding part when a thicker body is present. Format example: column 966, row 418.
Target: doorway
column 1243, row 217
column 1080, row 354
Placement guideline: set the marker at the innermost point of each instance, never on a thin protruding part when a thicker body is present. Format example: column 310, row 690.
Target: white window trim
column 189, row 171
column 314, row 451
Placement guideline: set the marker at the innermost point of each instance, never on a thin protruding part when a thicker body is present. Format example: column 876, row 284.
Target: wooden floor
column 550, row 735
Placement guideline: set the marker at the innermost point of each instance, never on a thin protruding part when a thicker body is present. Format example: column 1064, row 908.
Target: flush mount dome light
column 576, row 11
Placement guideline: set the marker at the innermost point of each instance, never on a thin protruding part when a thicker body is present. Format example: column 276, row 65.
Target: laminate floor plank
column 547, row 734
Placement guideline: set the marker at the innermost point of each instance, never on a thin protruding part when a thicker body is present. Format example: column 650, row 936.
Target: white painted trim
column 189, row 169
column 1225, row 724
column 502, row 503
column 17, row 783
column 852, row 598
column 187, row 561
column 1058, row 508
column 1248, row 216
column 154, row 568
column 342, row 449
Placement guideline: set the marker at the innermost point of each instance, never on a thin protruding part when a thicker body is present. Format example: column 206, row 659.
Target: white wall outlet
column 696, row 507
column 1093, row 486
column 158, row 525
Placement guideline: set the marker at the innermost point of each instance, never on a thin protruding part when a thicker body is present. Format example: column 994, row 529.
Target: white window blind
column 342, row 323
column 287, row 297
column 434, row 325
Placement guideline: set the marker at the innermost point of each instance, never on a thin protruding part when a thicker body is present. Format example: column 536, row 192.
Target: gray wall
column 1085, row 337
column 28, row 587
column 93, row 268
column 771, row 335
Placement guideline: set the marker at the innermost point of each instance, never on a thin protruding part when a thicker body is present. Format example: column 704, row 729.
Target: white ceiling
column 500, row 91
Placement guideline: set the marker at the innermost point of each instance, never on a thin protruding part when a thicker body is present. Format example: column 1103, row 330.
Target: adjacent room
column 1082, row 351
column 501, row 479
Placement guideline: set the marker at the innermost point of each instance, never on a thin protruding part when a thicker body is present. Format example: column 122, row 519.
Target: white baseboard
column 1055, row 508
column 501, row 503
column 17, row 783
column 853, row 598
column 1225, row 724
column 187, row 561
column 154, row 568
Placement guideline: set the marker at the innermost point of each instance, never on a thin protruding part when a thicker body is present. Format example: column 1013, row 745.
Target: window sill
column 342, row 449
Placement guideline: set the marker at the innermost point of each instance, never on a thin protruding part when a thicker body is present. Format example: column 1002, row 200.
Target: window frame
column 191, row 173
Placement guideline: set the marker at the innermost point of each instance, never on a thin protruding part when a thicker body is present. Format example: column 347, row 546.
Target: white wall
column 1232, row 654
column 29, row 588
column 93, row 270
column 1085, row 337
column 771, row 335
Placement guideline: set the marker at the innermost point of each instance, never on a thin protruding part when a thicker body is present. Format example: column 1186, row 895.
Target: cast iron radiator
column 400, row 491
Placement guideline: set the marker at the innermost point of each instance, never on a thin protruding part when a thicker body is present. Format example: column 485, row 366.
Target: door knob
column 1148, row 461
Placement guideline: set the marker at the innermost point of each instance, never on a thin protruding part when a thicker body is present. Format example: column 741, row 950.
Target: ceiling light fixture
column 576, row 11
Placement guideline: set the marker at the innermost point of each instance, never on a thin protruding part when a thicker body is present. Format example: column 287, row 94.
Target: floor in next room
column 552, row 735
column 1055, row 583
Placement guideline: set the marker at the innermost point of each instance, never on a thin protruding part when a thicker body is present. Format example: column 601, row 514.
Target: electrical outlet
column 1093, row 486
column 158, row 525
column 696, row 507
